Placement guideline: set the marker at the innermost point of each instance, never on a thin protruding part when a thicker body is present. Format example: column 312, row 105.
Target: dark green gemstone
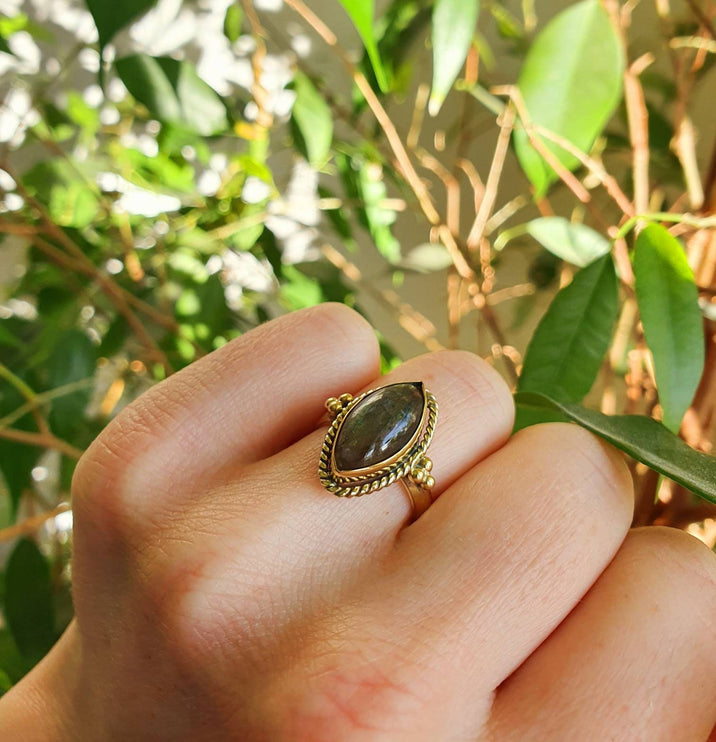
column 379, row 426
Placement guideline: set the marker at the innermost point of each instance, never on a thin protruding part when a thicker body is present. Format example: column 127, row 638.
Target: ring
column 378, row 438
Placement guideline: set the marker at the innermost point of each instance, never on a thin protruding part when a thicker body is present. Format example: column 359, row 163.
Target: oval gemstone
column 379, row 426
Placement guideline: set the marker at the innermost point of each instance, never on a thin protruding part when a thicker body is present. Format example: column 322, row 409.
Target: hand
column 222, row 594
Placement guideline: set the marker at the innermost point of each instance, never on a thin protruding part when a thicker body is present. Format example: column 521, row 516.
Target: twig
column 638, row 118
column 507, row 121
column 550, row 158
column 30, row 525
column 41, row 398
column 595, row 168
column 41, row 440
column 29, row 394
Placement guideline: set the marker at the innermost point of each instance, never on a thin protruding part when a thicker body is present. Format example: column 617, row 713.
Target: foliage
column 163, row 201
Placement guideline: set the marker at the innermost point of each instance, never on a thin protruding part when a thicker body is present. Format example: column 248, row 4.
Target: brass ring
column 378, row 438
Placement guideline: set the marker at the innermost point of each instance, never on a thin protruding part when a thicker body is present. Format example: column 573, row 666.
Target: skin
column 222, row 594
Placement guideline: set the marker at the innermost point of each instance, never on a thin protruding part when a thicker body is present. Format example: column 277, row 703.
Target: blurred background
column 174, row 174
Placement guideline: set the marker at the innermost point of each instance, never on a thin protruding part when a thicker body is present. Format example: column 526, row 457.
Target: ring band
column 378, row 438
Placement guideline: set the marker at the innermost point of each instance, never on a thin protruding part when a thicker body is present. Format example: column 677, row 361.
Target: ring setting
column 378, row 438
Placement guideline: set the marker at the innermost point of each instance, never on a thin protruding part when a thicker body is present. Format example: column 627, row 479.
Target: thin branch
column 550, row 158
column 30, row 525
column 41, row 440
column 507, row 121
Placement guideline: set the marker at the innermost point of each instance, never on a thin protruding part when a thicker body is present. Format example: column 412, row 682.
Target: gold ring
column 378, row 438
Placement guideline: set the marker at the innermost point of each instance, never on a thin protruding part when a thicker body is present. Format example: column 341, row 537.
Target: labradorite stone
column 379, row 426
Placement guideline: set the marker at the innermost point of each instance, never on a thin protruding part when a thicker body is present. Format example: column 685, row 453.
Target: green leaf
column 299, row 291
column 73, row 359
column 361, row 13
column 643, row 439
column 567, row 348
column 669, row 307
column 29, row 610
column 13, row 664
column 575, row 243
column 173, row 93
column 233, row 20
column 312, row 121
column 61, row 188
column 5, row 682
column 571, row 82
column 338, row 218
column 16, row 459
column 453, row 27
column 111, row 16
column 365, row 184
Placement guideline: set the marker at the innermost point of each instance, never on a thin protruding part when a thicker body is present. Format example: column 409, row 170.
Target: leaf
column 312, row 122
column 5, row 682
column 669, row 307
column 29, row 610
column 61, row 188
column 575, row 243
column 643, row 439
column 111, row 16
column 338, row 218
column 453, row 27
column 567, row 348
column 427, row 258
column 361, row 13
column 173, row 93
column 364, row 183
column 233, row 21
column 16, row 459
column 13, row 664
column 571, row 83
column 73, row 359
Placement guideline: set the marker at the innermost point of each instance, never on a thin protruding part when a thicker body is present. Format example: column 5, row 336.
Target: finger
column 635, row 660
column 239, row 404
column 476, row 415
column 508, row 554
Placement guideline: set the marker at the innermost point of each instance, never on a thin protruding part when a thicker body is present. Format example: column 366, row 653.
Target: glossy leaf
column 365, row 184
column 12, row 663
column 111, row 16
column 73, row 359
column 575, row 243
column 173, row 93
column 361, row 13
column 567, row 348
column 69, row 198
column 453, row 27
column 669, row 307
column 642, row 438
column 571, row 82
column 312, row 121
column 29, row 610
column 16, row 459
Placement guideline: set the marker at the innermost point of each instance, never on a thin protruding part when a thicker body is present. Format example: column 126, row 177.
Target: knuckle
column 99, row 484
column 483, row 383
column 679, row 564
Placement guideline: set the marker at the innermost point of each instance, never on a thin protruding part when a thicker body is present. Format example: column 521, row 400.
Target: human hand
column 222, row 594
